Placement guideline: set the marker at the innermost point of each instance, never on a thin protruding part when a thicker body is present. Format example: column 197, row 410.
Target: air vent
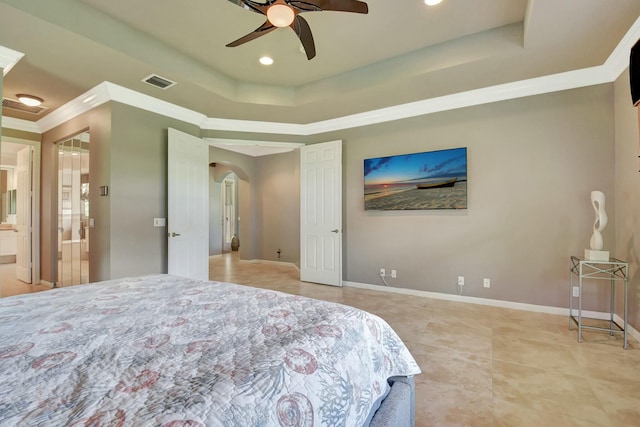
column 159, row 82
column 16, row 105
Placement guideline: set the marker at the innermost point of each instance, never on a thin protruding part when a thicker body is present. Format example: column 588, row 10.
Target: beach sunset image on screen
column 428, row 180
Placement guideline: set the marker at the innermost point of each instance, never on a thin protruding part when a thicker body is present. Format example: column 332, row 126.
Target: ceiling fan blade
column 253, row 6
column 303, row 31
column 265, row 28
column 353, row 6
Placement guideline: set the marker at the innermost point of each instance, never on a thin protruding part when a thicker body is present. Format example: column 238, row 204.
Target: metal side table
column 615, row 271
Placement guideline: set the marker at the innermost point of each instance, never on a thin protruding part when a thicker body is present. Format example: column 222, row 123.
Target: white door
column 321, row 213
column 188, row 206
column 23, row 214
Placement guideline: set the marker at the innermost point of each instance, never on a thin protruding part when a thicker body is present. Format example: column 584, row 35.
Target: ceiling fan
column 286, row 13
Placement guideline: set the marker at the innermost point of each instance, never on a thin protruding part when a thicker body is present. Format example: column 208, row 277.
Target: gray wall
column 98, row 122
column 138, row 189
column 627, row 178
column 532, row 164
column 217, row 176
column 244, row 166
column 278, row 182
column 215, row 214
column 269, row 203
column 128, row 151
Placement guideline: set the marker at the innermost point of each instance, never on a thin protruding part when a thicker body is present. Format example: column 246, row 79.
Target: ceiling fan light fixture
column 30, row 100
column 280, row 15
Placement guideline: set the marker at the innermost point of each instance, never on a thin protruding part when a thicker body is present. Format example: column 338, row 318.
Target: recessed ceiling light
column 30, row 100
column 432, row 2
column 266, row 60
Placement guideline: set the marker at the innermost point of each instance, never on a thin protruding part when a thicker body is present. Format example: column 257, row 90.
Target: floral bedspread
column 166, row 351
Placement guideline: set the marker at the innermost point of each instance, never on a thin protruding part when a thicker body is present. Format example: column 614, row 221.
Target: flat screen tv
column 428, row 180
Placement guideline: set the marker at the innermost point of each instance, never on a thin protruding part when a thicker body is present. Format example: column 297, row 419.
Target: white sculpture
column 596, row 253
column 597, row 200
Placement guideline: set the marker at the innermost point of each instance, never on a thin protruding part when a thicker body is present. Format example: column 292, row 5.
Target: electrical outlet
column 383, row 272
column 460, row 280
column 394, row 274
column 487, row 283
column 576, row 291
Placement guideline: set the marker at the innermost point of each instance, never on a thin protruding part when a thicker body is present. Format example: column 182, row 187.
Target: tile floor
column 482, row 366
column 9, row 285
column 486, row 366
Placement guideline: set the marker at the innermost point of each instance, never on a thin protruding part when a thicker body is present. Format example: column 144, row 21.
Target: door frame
column 35, row 203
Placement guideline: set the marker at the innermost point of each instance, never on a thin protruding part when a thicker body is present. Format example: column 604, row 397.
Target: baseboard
column 493, row 303
column 7, row 259
column 266, row 261
column 45, row 283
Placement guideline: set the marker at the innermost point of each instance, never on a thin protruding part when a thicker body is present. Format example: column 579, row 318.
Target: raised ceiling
column 402, row 51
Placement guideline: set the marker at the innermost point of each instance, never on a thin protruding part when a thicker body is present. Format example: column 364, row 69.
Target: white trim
column 254, row 126
column 247, row 142
column 605, row 73
column 253, row 148
column 266, row 261
column 45, row 283
column 154, row 105
column 80, row 105
column 36, row 169
column 9, row 58
column 618, row 61
column 19, row 124
column 493, row 303
column 630, row 329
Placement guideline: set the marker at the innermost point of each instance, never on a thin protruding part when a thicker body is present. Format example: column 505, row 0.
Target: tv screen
column 429, row 180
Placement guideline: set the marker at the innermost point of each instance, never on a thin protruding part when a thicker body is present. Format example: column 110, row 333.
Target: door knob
column 335, row 231
column 175, row 234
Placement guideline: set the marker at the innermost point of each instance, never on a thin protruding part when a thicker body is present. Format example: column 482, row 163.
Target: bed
column 160, row 350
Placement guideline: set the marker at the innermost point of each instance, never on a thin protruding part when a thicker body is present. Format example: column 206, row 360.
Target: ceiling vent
column 16, row 105
column 159, row 82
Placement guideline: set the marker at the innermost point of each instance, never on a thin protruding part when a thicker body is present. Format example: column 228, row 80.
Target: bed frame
column 398, row 408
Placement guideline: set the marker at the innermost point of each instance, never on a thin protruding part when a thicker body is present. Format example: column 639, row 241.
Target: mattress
column 160, row 350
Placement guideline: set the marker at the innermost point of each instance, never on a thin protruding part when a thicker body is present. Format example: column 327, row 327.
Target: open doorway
column 225, row 200
column 19, row 212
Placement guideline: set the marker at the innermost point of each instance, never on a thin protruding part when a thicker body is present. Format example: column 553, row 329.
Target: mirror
column 8, row 194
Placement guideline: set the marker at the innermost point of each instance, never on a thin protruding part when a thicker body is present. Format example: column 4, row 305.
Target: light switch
column 91, row 223
column 159, row 222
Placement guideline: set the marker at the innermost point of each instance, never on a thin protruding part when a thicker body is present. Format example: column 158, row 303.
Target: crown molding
column 255, row 126
column 9, row 58
column 89, row 100
column 154, row 105
column 618, row 61
column 107, row 91
column 253, row 148
column 19, row 124
column 608, row 72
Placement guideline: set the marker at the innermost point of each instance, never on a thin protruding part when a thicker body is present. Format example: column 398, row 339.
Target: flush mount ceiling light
column 30, row 100
column 286, row 13
column 432, row 2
